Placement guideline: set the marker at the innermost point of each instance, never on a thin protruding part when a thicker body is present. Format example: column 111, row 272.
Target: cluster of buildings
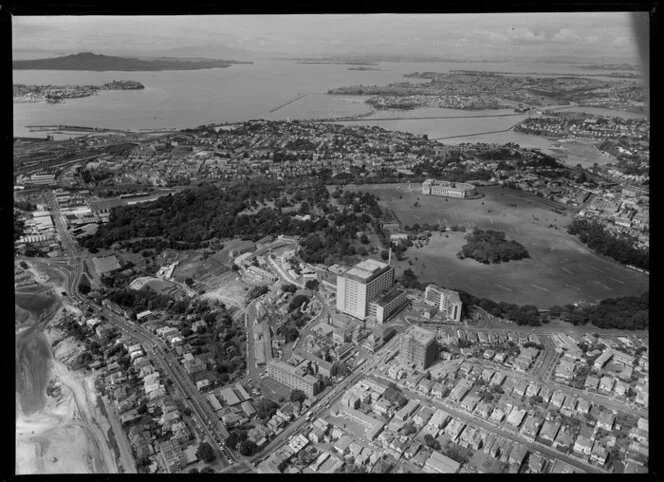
column 43, row 177
column 51, row 93
column 579, row 125
column 232, row 404
column 531, row 410
column 39, row 232
column 367, row 291
column 440, row 99
column 626, row 95
column 622, row 211
column 466, row 89
column 152, row 420
column 615, row 368
column 56, row 93
column 430, row 431
column 275, row 149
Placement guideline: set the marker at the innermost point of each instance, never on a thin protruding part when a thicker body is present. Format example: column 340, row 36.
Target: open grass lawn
column 584, row 153
column 560, row 269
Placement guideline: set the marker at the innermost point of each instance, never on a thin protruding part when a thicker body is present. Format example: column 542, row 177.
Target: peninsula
column 57, row 93
column 100, row 63
column 479, row 90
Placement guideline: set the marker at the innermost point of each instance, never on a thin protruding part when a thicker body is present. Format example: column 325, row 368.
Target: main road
column 208, row 422
column 323, row 404
column 476, row 421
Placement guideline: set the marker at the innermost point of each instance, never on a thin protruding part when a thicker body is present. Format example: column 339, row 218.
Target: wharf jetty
column 288, row 103
column 475, row 134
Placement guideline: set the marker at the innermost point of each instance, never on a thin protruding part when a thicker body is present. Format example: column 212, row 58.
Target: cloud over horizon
column 583, row 35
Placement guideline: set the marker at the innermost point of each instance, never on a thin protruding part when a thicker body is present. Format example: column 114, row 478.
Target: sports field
column 560, row 269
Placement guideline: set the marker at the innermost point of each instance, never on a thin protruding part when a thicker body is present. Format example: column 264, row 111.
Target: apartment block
column 447, row 301
column 362, row 284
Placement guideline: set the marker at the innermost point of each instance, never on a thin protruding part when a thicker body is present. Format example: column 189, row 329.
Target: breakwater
column 288, row 103
column 475, row 134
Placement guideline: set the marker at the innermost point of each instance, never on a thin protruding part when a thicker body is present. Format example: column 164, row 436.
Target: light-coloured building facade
column 360, row 285
column 387, row 305
column 418, row 346
column 448, row 301
column 432, row 187
column 293, row 377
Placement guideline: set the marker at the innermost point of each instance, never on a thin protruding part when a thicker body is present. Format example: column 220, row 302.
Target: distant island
column 622, row 66
column 100, row 63
column 57, row 93
column 362, row 67
column 335, row 62
column 372, row 59
column 491, row 247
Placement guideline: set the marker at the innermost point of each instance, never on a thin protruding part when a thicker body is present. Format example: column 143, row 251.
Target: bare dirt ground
column 68, row 435
column 230, row 290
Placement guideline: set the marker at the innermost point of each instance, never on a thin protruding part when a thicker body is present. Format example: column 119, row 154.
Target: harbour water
column 180, row 99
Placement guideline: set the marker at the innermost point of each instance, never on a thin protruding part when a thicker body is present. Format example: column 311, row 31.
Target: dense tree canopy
column 200, row 216
column 257, row 291
column 597, row 238
column 266, row 408
column 491, row 247
column 626, row 313
column 297, row 301
column 520, row 314
column 195, row 215
column 409, row 280
column 298, row 396
column 205, row 452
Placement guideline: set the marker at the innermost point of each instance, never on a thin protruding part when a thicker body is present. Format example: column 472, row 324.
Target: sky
column 594, row 35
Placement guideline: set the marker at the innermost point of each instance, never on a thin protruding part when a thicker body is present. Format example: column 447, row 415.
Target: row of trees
column 625, row 313
column 628, row 313
column 521, row 314
column 593, row 234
